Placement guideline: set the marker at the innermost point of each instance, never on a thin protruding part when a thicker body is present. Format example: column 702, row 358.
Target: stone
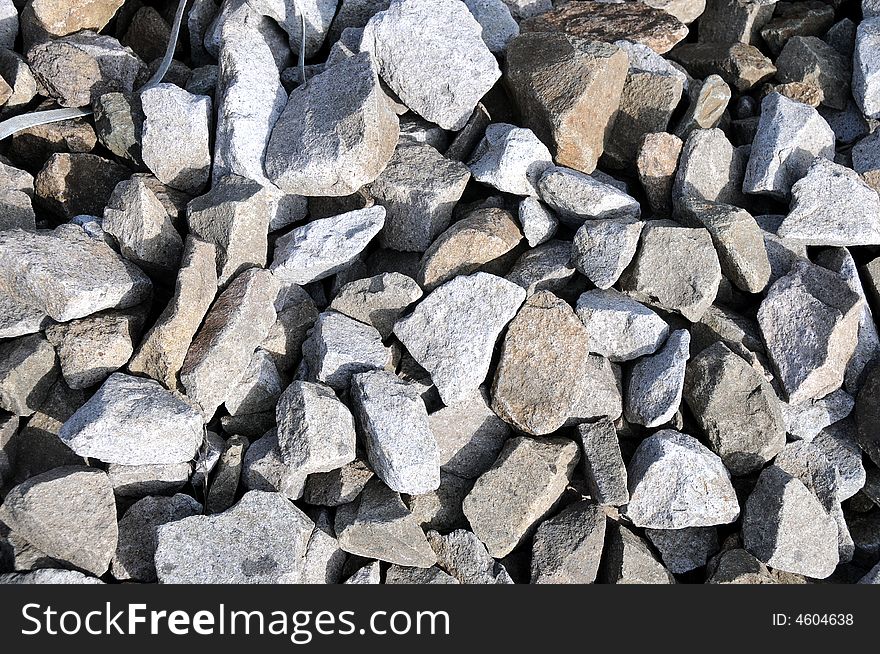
column 735, row 408
column 8, row 429
column 538, row 223
column 235, row 325
column 257, row 391
column 575, row 122
column 737, row 566
column 378, row 301
column 675, row 268
column 832, row 205
column 77, row 69
column 600, row 392
column 19, row 319
column 349, row 142
column 323, row 247
column 602, row 249
column 28, row 370
column 604, row 469
column 810, row 18
column 620, row 328
column 377, row 525
column 786, row 527
column 77, row 184
column 263, row 469
column 324, row 558
column 90, row 349
column 401, row 575
column 134, row 421
column 866, row 160
column 69, row 514
column 810, row 60
column 48, row 576
column 431, row 54
column 147, row 34
column 872, row 577
column 707, row 102
column 498, row 25
column 134, row 557
column 741, row 65
column 710, row 170
column 452, row 331
column 9, row 24
column 16, row 202
column 462, row 554
column 393, row 421
column 629, row 560
column 577, row 197
column 33, row 146
column 262, row 539
column 142, row 228
column 339, row 486
column 441, row 508
column 510, row 159
column 657, row 162
column 838, row 443
column 224, row 485
column 867, row 415
column 369, row 574
column 316, row 431
column 521, row 487
column 18, row 76
column 163, row 349
column 676, row 482
column 610, row 22
column 866, row 68
column 790, row 136
column 547, row 267
column 542, row 352
column 809, row 322
column 653, row 393
column 340, row 347
column 734, row 21
column 54, row 20
column 249, row 94
column 684, row 550
column 806, row 420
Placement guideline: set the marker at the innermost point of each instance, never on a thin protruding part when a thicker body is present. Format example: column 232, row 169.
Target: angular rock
column 734, row 21
column 150, row 479
column 538, row 223
column 19, row 319
column 809, row 322
column 28, row 371
column 737, row 566
column 16, row 202
column 602, row 249
column 790, row 136
column 263, row 469
column 710, row 170
column 378, row 301
column 603, row 463
column 119, row 124
column 808, row 18
column 236, row 324
column 441, row 508
column 134, row 557
column 683, row 550
column 510, row 159
column 75, row 184
column 600, row 392
column 806, row 420
column 620, row 328
column 498, row 25
column 8, row 446
column 462, row 554
column 577, row 197
column 653, row 393
column 257, row 391
column 739, row 64
column 453, row 330
column 810, row 60
column 542, row 352
column 369, row 574
column 262, row 539
column 69, row 514
column 433, row 575
column 867, row 415
column 735, row 408
column 340, row 347
column 226, row 477
column 18, row 76
column 348, row 143
column 832, row 205
column 324, row 558
column 431, row 54
column 48, row 576
column 657, row 162
column 707, row 102
column 676, row 482
column 866, row 160
column 547, row 267
column 75, row 15
column 866, row 67
column 676, row 269
column 340, row 486
column 378, row 525
column 521, row 487
column 629, row 560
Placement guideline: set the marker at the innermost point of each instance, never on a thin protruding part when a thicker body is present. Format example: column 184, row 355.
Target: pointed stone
column 567, row 547
column 577, row 197
column 378, row 301
column 603, row 462
column 629, row 560
column 683, row 550
column 602, row 249
column 539, row 224
column 28, row 370
column 510, row 159
column 653, row 393
column 263, row 469
column 462, row 554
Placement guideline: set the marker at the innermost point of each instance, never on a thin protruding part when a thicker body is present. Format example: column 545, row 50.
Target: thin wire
column 169, row 51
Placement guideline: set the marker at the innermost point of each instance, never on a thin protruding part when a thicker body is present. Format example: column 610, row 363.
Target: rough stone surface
column 810, row 60
column 340, row 486
column 620, row 328
column 683, row 550
column 867, row 415
column 629, row 560
column 510, row 159
column 739, row 64
column 602, row 249
column 547, row 267
column 538, row 223
column 601, row 394
column 498, row 25
column 804, row 421
column 462, row 554
column 567, row 548
column 378, row 301
column 603, row 463
column 75, row 184
column 264, row 469
column 453, row 330
column 735, row 408
column 710, row 169
column 653, row 393
column 28, row 370
column 707, row 103
column 520, row 488
column 577, row 197
column 866, row 67
column 657, row 162
column 340, row 347
column 73, row 16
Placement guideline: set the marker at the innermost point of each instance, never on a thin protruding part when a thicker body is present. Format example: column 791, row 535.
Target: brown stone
column 74, row 184
column 740, row 65
column 657, row 162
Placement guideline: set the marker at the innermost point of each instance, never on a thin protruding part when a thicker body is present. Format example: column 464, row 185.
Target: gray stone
column 809, row 60
column 741, row 65
column 90, row 349
column 66, row 274
column 539, row 224
column 258, row 390
column 418, row 188
column 264, row 469
column 18, row 77
column 404, row 575
column 603, row 463
column 654, row 389
column 872, row 576
column 567, row 547
column 786, row 526
column 866, row 67
column 441, row 509
column 542, row 352
column 296, row 313
column 809, row 322
column 324, row 559
column 620, row 328
column 577, row 197
column 225, row 482
column 369, row 574
column 462, row 554
column 453, row 330
column 629, row 560
column 8, row 446
column 732, row 21
column 737, row 566
column 17, row 188
column 521, row 487
column 262, row 539
column 510, row 159
column 318, row 15
column 236, row 324
column 498, row 25
column 737, row 332
column 19, row 319
column 547, row 267
column 161, row 353
column 657, row 162
column 378, row 301
column 575, row 121
column 676, row 482
column 339, row 486
column 69, row 514
column 602, row 249
column 806, row 420
column 683, row 550
column 867, row 415
column 394, row 424
column 431, row 54
column 134, row 421
column 839, row 444
column 601, row 394
column 378, row 525
column 28, row 370
column 119, row 124
column 832, row 205
column 136, row 548
column 866, row 159
column 340, row 347
column 710, row 169
column 790, row 136
column 349, row 141
column 707, row 103
column 48, row 576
